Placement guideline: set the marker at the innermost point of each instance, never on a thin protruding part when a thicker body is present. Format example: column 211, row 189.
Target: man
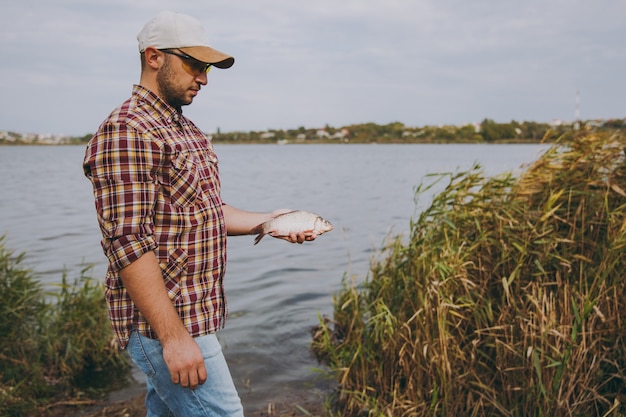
column 157, row 195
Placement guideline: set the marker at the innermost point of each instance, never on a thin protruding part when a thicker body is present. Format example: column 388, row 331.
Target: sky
column 66, row 64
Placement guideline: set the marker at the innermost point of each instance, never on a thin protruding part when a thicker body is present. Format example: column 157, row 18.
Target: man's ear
column 154, row 58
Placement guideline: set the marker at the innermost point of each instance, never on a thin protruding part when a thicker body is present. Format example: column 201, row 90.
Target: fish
column 294, row 221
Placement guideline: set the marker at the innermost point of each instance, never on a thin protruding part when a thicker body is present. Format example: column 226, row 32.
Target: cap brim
column 210, row 56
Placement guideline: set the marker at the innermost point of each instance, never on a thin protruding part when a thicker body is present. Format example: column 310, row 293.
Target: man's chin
column 187, row 100
column 178, row 104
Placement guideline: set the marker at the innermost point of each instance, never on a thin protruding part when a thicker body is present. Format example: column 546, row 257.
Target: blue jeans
column 216, row 397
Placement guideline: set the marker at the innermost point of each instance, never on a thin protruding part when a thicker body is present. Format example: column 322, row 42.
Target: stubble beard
column 170, row 92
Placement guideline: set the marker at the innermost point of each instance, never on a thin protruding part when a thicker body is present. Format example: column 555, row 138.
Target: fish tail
column 258, row 238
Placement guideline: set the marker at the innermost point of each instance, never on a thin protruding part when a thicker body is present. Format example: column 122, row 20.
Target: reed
column 55, row 346
column 507, row 299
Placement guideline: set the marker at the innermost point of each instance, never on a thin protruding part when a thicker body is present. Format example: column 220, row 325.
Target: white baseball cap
column 172, row 30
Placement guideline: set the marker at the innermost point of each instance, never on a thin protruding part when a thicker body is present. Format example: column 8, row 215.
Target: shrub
column 51, row 343
column 20, row 312
column 507, row 300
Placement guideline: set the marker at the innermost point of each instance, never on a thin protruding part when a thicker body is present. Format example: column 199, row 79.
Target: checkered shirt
column 156, row 188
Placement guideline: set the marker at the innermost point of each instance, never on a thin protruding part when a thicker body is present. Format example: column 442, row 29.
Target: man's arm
column 240, row 222
column 144, row 282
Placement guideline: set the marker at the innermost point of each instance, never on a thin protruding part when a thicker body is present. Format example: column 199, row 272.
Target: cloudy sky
column 67, row 63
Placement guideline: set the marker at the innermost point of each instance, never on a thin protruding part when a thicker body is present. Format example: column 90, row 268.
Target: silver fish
column 294, row 221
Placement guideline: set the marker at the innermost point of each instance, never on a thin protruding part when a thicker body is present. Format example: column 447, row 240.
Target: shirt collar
column 165, row 110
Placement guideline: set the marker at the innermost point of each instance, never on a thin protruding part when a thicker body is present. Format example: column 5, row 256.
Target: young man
column 157, row 195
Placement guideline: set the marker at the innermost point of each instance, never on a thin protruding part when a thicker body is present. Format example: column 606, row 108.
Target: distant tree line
column 487, row 131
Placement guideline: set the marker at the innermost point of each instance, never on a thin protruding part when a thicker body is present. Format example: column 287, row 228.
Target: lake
column 275, row 290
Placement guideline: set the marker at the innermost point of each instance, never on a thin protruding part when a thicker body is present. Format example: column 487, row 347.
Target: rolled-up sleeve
column 122, row 165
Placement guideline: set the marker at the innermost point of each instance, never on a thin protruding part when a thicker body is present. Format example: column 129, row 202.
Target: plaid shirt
column 156, row 187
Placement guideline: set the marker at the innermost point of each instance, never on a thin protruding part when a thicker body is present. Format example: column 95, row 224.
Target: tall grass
column 54, row 345
column 507, row 300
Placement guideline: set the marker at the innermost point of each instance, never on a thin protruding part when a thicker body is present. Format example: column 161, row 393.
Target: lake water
column 275, row 290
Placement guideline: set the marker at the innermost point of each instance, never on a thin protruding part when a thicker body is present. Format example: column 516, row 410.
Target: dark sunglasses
column 190, row 64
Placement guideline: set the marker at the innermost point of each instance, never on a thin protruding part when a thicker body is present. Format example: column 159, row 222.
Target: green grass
column 507, row 300
column 54, row 345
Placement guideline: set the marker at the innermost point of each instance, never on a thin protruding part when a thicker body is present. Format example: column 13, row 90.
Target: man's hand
column 185, row 362
column 298, row 237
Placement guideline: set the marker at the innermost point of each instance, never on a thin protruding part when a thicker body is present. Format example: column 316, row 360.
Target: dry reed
column 507, row 300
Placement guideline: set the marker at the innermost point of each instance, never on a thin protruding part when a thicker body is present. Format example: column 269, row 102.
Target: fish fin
column 258, row 238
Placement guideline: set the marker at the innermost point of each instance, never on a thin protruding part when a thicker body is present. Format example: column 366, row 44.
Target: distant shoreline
column 316, row 142
column 487, row 131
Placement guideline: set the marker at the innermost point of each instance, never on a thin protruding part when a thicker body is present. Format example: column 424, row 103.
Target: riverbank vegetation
column 56, row 346
column 506, row 299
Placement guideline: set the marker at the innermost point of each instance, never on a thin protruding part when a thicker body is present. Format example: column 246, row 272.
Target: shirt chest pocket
column 184, row 181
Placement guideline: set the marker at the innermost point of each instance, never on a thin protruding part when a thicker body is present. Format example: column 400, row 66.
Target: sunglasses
column 190, row 64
